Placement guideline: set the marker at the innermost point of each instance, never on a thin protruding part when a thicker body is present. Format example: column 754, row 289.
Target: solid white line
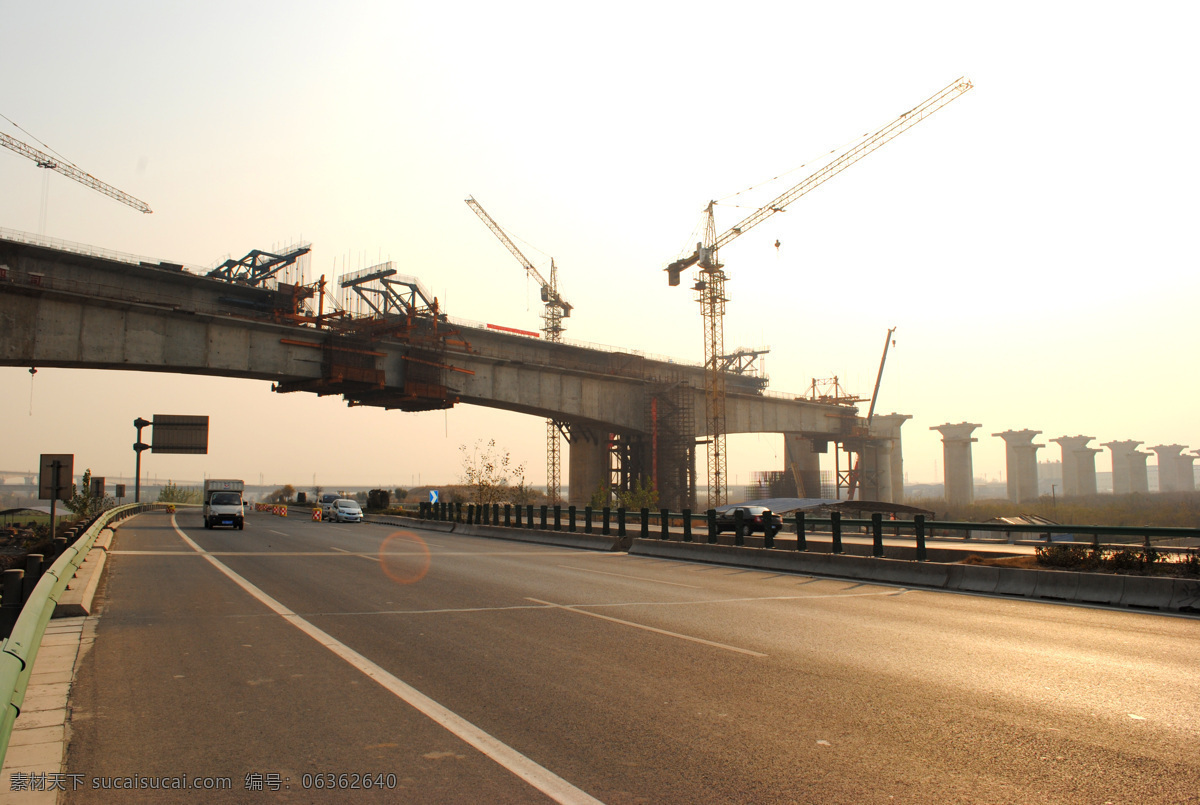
column 654, row 629
column 537, row 776
column 627, row 576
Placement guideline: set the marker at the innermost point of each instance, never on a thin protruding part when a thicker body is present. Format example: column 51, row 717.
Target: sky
column 1032, row 243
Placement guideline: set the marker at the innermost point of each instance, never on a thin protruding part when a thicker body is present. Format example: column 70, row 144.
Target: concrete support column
column 959, row 472
column 883, row 469
column 868, row 459
column 891, row 468
column 802, row 459
column 1078, row 465
column 1124, row 466
column 1139, row 479
column 588, row 470
column 1187, row 471
column 1170, row 477
column 1020, row 464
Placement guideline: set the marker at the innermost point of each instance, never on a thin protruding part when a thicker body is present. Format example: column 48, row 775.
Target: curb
column 77, row 599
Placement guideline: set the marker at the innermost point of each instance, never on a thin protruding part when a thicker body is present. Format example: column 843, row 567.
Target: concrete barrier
column 1185, row 596
column 1100, row 588
column 1056, row 584
column 972, row 578
column 564, row 539
column 1147, row 592
column 1015, row 581
column 910, row 574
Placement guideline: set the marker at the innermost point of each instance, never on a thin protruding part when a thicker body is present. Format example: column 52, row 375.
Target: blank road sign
column 46, row 477
column 174, row 433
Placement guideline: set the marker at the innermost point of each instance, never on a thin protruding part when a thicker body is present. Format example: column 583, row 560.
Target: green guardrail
column 19, row 651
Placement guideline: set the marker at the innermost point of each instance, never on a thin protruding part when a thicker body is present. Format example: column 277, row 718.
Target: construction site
column 615, row 420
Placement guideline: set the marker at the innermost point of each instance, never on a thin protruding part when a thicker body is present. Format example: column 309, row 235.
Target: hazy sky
column 1033, row 242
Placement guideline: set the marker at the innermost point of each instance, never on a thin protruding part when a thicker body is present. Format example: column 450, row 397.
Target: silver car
column 345, row 511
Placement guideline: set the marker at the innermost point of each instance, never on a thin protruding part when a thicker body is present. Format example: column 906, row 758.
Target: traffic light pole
column 138, row 447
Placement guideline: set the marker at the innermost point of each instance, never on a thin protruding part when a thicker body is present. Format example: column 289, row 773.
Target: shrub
column 1061, row 556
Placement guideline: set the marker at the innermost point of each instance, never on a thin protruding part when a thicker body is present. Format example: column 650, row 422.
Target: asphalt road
column 476, row 670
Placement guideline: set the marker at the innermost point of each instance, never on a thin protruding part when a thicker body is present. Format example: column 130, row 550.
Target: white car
column 345, row 511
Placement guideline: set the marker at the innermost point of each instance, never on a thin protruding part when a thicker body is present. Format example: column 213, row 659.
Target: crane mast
column 711, row 277
column 556, row 309
column 44, row 160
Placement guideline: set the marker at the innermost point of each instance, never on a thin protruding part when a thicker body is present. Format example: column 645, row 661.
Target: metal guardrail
column 19, row 651
column 649, row 523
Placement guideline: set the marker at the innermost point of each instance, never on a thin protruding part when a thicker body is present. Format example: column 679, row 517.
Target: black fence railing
column 688, row 527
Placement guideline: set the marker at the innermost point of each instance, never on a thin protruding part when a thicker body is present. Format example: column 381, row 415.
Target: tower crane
column 711, row 277
column 44, row 160
column 556, row 309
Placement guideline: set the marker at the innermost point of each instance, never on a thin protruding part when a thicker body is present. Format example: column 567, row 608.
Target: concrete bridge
column 625, row 416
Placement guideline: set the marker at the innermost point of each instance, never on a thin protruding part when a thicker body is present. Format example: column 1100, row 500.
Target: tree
column 641, row 495
column 283, row 494
column 487, row 474
column 83, row 503
column 173, row 493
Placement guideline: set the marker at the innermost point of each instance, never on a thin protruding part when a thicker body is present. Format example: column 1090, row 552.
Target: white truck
column 223, row 503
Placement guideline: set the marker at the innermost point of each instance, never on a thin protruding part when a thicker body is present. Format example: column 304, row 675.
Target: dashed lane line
column 537, row 776
column 655, row 629
column 635, row 578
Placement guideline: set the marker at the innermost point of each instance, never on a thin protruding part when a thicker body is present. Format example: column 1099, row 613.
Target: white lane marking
column 224, row 553
column 735, row 600
column 352, row 553
column 627, row 576
column 654, row 629
column 280, row 533
column 537, row 776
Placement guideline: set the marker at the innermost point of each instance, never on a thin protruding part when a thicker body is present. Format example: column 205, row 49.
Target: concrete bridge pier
column 588, row 466
column 1078, row 465
column 1171, row 472
column 885, row 434
column 802, row 459
column 959, row 468
column 1020, row 464
column 1128, row 467
column 1139, row 477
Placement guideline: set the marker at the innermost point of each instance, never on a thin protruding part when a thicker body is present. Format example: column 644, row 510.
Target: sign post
column 138, row 447
column 54, row 467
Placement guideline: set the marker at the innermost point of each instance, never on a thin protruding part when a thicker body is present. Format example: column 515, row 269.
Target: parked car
column 326, row 502
column 346, row 511
column 752, row 519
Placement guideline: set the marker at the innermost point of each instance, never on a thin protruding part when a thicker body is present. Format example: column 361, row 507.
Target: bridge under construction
column 385, row 341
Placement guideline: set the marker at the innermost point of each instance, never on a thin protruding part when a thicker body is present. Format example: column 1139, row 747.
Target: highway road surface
column 314, row 662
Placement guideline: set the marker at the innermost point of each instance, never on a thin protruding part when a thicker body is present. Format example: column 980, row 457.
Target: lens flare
column 404, row 557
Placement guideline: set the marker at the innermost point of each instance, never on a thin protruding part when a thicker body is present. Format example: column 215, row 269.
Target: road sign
column 433, row 496
column 97, row 490
column 54, row 480
column 179, row 434
column 120, row 490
